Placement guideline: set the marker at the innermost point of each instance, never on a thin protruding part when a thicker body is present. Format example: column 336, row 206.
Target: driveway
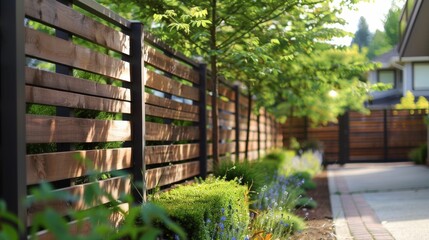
column 380, row 201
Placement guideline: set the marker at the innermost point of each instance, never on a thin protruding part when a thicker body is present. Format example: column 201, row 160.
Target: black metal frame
column 236, row 89
column 138, row 110
column 343, row 138
column 13, row 179
column 385, row 136
column 203, row 119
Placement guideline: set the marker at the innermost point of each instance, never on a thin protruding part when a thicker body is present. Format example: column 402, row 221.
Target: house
column 406, row 66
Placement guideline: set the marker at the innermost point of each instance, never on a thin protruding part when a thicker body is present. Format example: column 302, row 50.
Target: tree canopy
column 362, row 35
column 277, row 48
column 384, row 41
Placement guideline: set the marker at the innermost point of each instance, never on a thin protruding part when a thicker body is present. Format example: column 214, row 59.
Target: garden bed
column 319, row 220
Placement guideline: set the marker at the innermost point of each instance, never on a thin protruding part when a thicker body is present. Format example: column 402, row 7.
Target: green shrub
column 277, row 155
column 305, row 202
column 418, row 155
column 280, row 224
column 308, row 162
column 246, row 173
column 305, row 180
column 213, row 209
column 311, row 145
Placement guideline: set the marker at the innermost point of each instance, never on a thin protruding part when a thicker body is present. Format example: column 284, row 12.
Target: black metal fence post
column 237, row 122
column 385, row 136
column 343, row 138
column 259, row 137
column 138, row 109
column 13, row 179
column 266, row 130
column 306, row 128
column 203, row 120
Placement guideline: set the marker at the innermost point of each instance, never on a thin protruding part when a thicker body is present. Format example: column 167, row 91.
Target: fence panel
column 103, row 95
column 382, row 135
column 405, row 131
column 80, row 92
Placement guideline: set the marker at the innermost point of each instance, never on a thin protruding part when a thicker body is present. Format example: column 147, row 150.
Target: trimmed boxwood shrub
column 418, row 155
column 246, row 173
column 281, row 224
column 209, row 209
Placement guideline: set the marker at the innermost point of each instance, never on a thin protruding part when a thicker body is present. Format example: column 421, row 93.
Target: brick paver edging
column 361, row 219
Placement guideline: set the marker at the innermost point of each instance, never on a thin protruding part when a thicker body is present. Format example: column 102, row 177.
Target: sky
column 373, row 11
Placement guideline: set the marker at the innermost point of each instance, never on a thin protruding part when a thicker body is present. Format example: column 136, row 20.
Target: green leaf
column 275, row 41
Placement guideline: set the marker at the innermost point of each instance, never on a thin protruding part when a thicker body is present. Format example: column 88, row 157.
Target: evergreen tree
column 391, row 25
column 362, row 35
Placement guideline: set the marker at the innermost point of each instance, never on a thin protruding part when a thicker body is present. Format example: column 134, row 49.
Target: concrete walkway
column 380, row 201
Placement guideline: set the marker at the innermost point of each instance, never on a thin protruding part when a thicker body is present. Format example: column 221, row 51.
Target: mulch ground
column 319, row 220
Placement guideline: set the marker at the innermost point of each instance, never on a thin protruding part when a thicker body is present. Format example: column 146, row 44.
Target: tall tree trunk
column 214, row 79
column 249, row 114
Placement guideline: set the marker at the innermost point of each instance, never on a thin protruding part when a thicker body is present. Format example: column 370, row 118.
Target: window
column 421, row 76
column 386, row 76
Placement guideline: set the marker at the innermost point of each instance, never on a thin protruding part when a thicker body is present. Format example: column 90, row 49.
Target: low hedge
column 211, row 209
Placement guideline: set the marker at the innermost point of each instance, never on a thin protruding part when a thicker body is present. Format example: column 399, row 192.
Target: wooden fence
column 383, row 135
column 98, row 87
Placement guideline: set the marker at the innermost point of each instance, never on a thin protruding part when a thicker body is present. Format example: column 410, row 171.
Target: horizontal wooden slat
column 252, row 146
column 171, row 174
column 170, row 104
column 58, row 81
column 165, row 132
column 170, row 114
column 59, row 15
column 227, row 92
column 45, row 129
column 168, row 85
column 74, row 100
column 115, row 187
column 222, row 147
column 167, row 49
column 170, row 153
column 46, row 47
column 227, row 106
column 224, row 134
column 167, row 64
column 64, row 165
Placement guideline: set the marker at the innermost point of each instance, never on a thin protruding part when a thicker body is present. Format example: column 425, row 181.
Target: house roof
column 389, row 60
column 386, row 57
column 386, row 102
column 415, row 36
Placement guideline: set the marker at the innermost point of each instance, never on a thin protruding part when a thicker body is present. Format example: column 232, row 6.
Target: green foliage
column 278, row 224
column 309, row 162
column 209, row 208
column 391, row 21
column 312, row 145
column 407, row 101
column 145, row 221
column 384, row 41
column 10, row 226
column 419, row 155
column 258, row 43
column 378, row 45
column 246, row 173
column 306, row 202
column 294, row 144
column 311, row 78
column 362, row 35
column 191, row 17
column 306, row 178
column 422, row 103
